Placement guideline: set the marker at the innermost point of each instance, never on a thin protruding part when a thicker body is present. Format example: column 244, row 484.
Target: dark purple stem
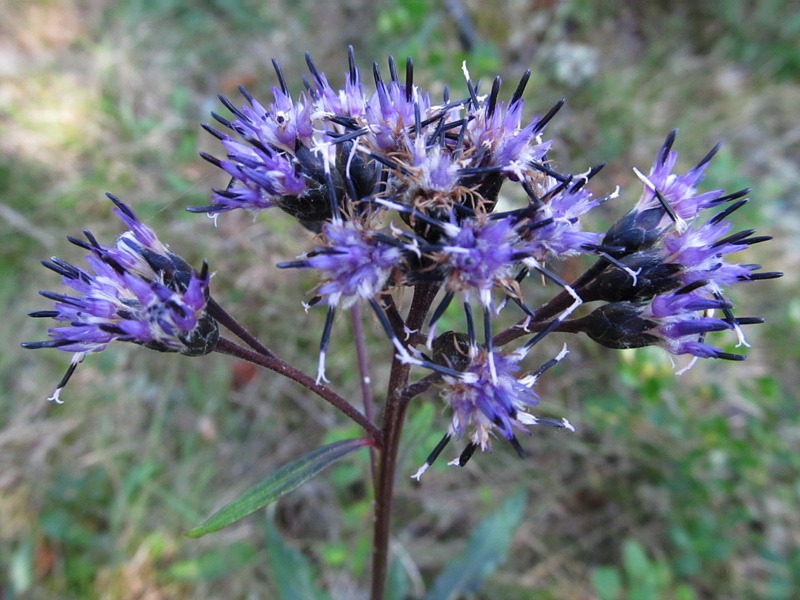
column 551, row 309
column 393, row 419
column 363, row 375
column 273, row 363
column 225, row 319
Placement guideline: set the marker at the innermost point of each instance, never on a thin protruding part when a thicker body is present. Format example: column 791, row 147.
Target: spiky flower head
column 486, row 397
column 355, row 261
column 135, row 291
column 669, row 269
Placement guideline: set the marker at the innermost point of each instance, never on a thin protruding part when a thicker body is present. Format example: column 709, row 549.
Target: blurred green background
column 684, row 488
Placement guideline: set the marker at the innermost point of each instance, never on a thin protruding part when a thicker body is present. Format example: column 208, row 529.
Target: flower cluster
column 135, row 291
column 668, row 269
column 402, row 190
column 486, row 396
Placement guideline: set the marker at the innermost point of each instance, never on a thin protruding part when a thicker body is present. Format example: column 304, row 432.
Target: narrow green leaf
column 486, row 548
column 607, row 583
column 281, row 482
column 397, row 582
column 290, row 571
column 215, row 564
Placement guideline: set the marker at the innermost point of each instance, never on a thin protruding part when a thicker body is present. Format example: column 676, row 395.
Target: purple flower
column 556, row 231
column 480, row 256
column 488, row 398
column 510, row 146
column 682, row 320
column 261, row 178
column 678, row 191
column 391, row 110
column 282, row 126
column 701, row 252
column 356, row 262
column 135, row 291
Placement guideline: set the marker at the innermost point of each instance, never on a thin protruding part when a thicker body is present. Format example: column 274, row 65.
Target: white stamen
column 431, row 335
column 527, row 381
column 567, row 424
column 321, row 368
column 634, row 274
column 465, row 71
column 55, row 397
column 469, row 378
column 420, row 471
column 680, row 224
column 687, row 367
column 526, row 418
column 742, row 341
column 492, row 368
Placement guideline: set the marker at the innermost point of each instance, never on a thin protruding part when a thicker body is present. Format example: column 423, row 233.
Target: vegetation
column 672, row 488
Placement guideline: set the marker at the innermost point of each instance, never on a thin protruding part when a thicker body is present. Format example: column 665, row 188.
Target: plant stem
column 393, row 419
column 225, row 319
column 363, row 376
column 547, row 311
column 273, row 363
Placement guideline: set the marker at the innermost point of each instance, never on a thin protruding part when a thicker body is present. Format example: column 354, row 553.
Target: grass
column 673, row 487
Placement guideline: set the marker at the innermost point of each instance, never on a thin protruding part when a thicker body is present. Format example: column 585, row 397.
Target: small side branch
column 551, row 309
column 363, row 375
column 273, row 363
column 225, row 319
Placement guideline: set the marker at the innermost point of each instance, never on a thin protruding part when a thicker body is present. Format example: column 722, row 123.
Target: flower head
column 135, row 291
column 356, row 262
column 484, row 404
column 480, row 256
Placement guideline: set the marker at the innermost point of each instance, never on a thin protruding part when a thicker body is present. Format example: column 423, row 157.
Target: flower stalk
column 398, row 190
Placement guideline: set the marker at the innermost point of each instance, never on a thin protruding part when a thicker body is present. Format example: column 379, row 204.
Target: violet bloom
column 701, row 253
column 556, row 231
column 481, row 256
column 498, row 138
column 356, row 262
column 135, row 291
column 393, row 108
column 261, row 178
column 488, row 398
column 677, row 191
column 681, row 321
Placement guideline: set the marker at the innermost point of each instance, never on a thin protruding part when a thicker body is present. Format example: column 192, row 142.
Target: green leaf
column 397, row 582
column 635, row 559
column 214, row 564
column 290, row 570
column 607, row 583
column 486, row 549
column 281, row 482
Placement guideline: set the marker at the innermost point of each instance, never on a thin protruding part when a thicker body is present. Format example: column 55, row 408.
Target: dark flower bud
column 451, row 350
column 363, row 174
column 637, row 230
column 201, row 340
column 619, row 325
column 312, row 208
column 637, row 278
